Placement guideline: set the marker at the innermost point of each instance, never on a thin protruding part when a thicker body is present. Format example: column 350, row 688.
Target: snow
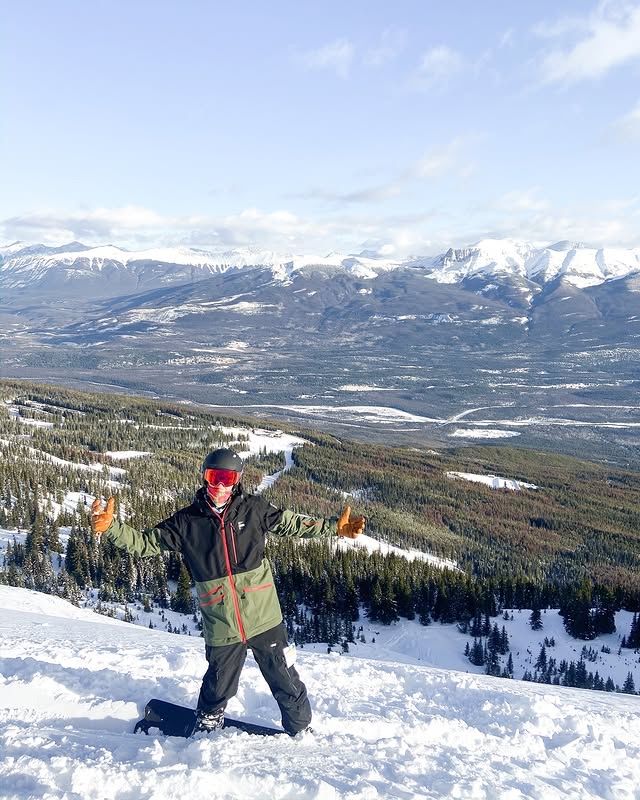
column 471, row 433
column 356, row 387
column 442, row 646
column 71, row 501
column 38, row 423
column 375, row 546
column 266, row 441
column 24, row 264
column 74, row 683
column 246, row 307
column 40, row 455
column 577, row 265
column 123, row 455
column 493, row 481
column 280, row 443
column 379, row 414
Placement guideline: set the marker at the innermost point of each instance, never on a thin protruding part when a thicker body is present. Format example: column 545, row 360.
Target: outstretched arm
column 290, row 524
column 150, row 542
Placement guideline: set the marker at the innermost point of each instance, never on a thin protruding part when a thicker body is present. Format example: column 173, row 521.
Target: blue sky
column 402, row 128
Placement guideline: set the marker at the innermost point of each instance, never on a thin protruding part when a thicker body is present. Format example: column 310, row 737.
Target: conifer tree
column 633, row 639
column 535, row 620
column 182, row 600
column 629, row 685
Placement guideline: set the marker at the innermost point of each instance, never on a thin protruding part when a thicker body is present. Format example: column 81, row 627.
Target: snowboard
column 175, row 720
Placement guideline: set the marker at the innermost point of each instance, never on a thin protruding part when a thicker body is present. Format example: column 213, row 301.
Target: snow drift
column 73, row 683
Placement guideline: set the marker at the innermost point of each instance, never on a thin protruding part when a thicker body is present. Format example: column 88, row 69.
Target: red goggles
column 227, row 477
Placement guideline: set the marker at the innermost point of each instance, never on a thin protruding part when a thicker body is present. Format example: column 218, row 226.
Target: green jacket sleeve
column 301, row 526
column 146, row 543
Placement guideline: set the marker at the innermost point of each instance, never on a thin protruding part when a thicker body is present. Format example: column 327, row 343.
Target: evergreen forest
column 572, row 543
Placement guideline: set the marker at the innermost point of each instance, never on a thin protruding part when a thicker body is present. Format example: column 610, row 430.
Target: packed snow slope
column 73, row 683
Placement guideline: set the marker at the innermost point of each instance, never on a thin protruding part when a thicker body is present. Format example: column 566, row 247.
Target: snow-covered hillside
column 73, row 684
column 577, row 264
column 23, row 265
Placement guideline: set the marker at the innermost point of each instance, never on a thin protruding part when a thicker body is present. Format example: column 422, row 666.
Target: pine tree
column 629, row 685
column 37, row 565
column 52, row 538
column 541, row 663
column 633, row 639
column 476, row 656
column 182, row 600
column 535, row 620
column 576, row 612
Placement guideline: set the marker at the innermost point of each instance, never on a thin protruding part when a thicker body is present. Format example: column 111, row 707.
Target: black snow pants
column 220, row 682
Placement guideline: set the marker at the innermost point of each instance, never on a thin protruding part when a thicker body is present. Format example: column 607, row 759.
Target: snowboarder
column 221, row 537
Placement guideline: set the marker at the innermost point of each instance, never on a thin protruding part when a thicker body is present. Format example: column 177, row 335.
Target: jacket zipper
column 233, row 541
column 234, row 593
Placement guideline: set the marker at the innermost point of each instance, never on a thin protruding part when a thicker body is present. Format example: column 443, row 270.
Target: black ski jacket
column 225, row 555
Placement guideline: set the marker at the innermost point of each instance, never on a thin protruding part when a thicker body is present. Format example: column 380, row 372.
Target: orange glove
column 101, row 520
column 350, row 528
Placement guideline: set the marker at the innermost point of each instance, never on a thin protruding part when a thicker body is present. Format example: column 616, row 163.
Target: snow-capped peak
column 22, row 265
column 577, row 264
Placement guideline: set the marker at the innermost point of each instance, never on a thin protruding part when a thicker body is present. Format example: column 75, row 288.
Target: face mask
column 219, row 494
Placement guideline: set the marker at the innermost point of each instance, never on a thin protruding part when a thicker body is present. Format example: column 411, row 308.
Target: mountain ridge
column 30, row 266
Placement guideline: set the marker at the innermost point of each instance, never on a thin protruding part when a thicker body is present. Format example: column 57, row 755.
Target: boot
column 208, row 721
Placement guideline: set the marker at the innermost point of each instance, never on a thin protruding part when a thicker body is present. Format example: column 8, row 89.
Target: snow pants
column 220, row 682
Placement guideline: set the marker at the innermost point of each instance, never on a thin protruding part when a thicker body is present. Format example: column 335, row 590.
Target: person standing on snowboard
column 221, row 537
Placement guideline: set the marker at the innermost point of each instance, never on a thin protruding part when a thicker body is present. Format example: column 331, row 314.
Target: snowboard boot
column 305, row 733
column 208, row 721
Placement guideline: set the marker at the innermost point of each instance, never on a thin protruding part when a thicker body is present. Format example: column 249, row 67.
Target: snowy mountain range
column 501, row 324
column 25, row 266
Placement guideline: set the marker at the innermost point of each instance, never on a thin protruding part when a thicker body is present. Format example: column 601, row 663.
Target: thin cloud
column 436, row 163
column 609, row 37
column 392, row 43
column 627, row 128
column 520, row 215
column 437, row 67
column 523, row 200
column 369, row 194
column 138, row 227
column 336, row 57
column 442, row 161
column 101, row 224
column 507, row 39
